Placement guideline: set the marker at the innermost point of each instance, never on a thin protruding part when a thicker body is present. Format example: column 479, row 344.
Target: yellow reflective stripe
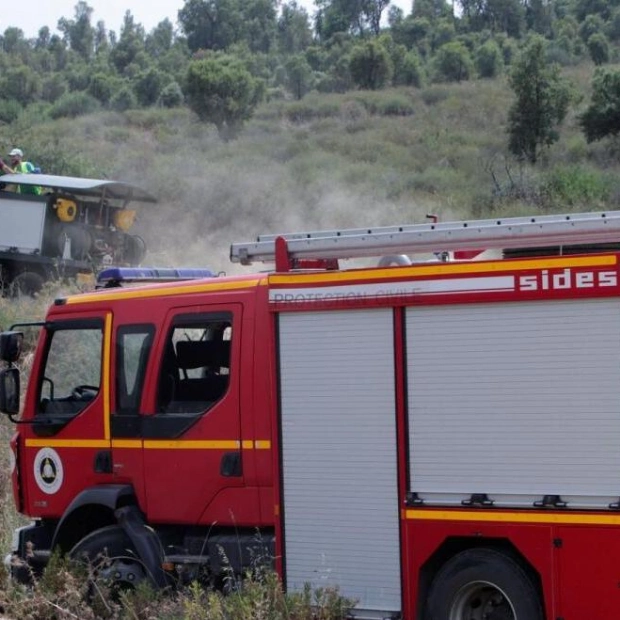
column 444, row 269
column 163, row 291
column 492, row 516
column 152, row 444
column 126, row 443
column 107, row 360
column 67, row 443
column 165, row 444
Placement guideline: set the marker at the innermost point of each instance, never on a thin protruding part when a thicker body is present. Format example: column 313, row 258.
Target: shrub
column 489, row 60
column 575, row 186
column 452, row 63
column 171, row 96
column 74, row 104
column 598, row 46
column 370, row 65
column 9, row 110
column 410, row 71
column 124, row 99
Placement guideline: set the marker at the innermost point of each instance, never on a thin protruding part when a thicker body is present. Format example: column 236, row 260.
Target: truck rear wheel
column 483, row 584
column 110, row 556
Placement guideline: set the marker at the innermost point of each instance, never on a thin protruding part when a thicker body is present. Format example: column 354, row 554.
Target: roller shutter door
column 515, row 400
column 339, row 471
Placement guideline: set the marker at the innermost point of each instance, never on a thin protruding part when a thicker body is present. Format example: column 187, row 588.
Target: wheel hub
column 482, row 601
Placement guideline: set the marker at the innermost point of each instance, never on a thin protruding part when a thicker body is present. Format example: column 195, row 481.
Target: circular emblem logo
column 48, row 471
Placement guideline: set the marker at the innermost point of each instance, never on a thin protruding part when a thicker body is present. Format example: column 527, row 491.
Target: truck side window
column 133, row 346
column 72, row 373
column 196, row 366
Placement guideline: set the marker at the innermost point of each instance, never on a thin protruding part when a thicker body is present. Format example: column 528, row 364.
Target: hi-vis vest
column 27, row 168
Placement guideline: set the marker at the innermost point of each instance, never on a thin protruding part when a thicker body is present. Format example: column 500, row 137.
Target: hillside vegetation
column 362, row 158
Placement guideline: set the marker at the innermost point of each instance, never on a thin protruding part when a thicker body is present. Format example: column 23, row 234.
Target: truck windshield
column 72, row 372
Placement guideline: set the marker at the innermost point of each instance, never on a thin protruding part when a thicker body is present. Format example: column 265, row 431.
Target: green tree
column 351, row 16
column 592, row 24
column 541, row 102
column 79, row 32
column 123, row 99
column 495, row 15
column 102, row 43
column 452, row 63
column 130, row 44
column 13, row 41
column 259, row 25
column 431, row 9
column 53, row 87
column 602, row 116
column 149, row 84
column 489, row 60
column 43, row 38
column 71, row 105
column 370, row 65
column 220, row 90
column 294, row 32
column 299, row 75
column 211, row 24
column 171, row 96
column 410, row 71
column 20, row 83
column 598, row 46
column 159, row 42
column 602, row 8
column 218, row 24
column 103, row 86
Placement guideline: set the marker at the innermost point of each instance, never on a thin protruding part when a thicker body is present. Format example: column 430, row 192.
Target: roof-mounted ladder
column 296, row 249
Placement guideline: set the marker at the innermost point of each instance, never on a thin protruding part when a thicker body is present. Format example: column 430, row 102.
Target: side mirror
column 9, row 391
column 11, row 346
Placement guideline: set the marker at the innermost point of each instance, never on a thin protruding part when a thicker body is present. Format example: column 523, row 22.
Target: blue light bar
column 116, row 276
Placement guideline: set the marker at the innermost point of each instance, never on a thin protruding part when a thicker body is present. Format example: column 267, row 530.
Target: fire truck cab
column 439, row 439
column 148, row 405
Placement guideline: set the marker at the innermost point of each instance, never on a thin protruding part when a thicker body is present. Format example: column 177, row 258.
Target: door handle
column 103, row 462
column 230, row 466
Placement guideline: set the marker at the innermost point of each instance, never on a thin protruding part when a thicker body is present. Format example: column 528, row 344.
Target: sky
column 31, row 15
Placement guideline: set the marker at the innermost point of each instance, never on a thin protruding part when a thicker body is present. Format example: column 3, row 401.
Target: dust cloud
column 195, row 222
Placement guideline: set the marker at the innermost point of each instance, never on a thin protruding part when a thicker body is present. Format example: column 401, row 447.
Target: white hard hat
column 16, row 153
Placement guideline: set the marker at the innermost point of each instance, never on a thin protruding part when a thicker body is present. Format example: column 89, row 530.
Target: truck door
column 66, row 449
column 133, row 346
column 191, row 431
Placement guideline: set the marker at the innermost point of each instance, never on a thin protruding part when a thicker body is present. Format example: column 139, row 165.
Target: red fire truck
column 438, row 438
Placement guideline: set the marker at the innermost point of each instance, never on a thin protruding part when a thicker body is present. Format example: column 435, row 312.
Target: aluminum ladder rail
column 505, row 233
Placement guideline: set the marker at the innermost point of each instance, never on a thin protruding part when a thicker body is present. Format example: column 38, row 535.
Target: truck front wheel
column 109, row 555
column 483, row 584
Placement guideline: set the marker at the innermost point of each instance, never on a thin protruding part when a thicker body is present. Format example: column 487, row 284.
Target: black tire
column 483, row 584
column 27, row 283
column 109, row 556
column 134, row 250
